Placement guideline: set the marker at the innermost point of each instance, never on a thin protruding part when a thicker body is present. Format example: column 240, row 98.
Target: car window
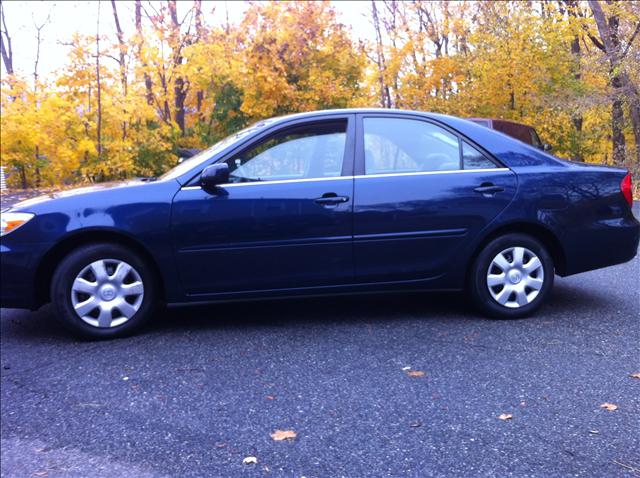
column 396, row 145
column 535, row 139
column 474, row 159
column 310, row 151
column 208, row 153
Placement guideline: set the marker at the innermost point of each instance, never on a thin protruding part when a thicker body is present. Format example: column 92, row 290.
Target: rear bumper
column 609, row 243
column 18, row 266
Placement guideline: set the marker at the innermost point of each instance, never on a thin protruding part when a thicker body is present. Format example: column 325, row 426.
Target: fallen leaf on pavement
column 280, row 435
column 505, row 416
column 635, row 375
column 415, row 373
column 250, row 460
column 609, row 406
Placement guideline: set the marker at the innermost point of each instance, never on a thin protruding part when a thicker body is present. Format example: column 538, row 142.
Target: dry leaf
column 250, row 460
column 415, row 373
column 280, row 435
column 505, row 416
column 609, row 406
column 635, row 375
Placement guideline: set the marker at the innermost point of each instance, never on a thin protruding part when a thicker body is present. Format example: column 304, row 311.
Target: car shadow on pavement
column 280, row 312
column 24, row 326
column 565, row 296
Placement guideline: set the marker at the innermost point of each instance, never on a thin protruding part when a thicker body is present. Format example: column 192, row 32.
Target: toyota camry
column 341, row 201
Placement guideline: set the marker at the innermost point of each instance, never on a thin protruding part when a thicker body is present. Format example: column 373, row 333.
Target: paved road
column 203, row 388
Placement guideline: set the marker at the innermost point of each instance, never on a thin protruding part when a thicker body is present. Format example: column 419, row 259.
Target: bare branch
column 7, row 50
column 633, row 37
column 38, row 43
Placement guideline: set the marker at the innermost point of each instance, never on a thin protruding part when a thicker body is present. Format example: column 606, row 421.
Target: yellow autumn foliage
column 187, row 83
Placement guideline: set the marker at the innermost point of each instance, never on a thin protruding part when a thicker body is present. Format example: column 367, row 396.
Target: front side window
column 208, row 153
column 304, row 152
column 395, row 145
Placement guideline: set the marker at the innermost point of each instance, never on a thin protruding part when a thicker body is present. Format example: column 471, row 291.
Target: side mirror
column 546, row 147
column 214, row 175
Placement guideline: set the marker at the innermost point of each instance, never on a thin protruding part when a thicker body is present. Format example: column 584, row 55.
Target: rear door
column 420, row 192
column 283, row 221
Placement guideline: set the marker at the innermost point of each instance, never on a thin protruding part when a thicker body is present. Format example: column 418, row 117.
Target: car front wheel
column 511, row 276
column 103, row 291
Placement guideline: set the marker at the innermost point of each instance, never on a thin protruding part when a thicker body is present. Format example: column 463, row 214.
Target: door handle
column 488, row 189
column 331, row 199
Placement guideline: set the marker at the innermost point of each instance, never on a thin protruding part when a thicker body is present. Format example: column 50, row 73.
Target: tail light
column 625, row 189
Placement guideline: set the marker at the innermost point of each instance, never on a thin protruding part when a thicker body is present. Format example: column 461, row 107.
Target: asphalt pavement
column 203, row 388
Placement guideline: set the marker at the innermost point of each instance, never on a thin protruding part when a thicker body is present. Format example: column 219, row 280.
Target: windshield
column 207, row 154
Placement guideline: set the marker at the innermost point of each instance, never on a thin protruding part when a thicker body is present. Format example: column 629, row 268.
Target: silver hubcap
column 515, row 277
column 107, row 293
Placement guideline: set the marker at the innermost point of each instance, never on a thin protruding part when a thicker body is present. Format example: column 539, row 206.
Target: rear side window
column 396, row 145
column 472, row 158
column 535, row 139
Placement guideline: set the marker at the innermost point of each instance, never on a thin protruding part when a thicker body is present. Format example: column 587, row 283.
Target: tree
column 616, row 50
column 297, row 57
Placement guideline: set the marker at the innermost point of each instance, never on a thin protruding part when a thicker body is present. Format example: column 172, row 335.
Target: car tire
column 511, row 277
column 103, row 291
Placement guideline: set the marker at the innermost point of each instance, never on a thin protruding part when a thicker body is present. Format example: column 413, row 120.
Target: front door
column 283, row 221
column 421, row 192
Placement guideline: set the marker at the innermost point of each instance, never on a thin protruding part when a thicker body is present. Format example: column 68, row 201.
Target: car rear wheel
column 103, row 291
column 511, row 276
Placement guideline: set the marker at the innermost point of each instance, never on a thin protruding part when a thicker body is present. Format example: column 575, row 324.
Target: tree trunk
column 23, row 176
column 37, row 168
column 576, row 117
column 179, row 90
column 147, row 78
column 122, row 50
column 385, row 96
column 634, row 111
column 5, row 44
column 99, row 88
column 197, row 5
column 617, row 122
column 576, row 52
column 610, row 45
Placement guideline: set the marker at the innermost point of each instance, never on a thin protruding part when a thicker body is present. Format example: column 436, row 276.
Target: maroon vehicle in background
column 526, row 134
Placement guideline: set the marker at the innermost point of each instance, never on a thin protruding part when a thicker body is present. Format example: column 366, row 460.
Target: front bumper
column 18, row 269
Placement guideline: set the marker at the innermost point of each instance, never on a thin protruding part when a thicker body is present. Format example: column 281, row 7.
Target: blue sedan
column 342, row 201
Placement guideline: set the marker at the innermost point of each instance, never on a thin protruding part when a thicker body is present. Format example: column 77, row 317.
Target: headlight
column 10, row 221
